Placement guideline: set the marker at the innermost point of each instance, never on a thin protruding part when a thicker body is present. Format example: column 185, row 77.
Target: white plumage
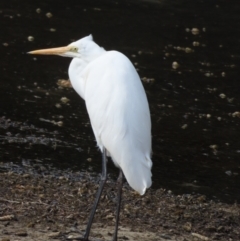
column 118, row 109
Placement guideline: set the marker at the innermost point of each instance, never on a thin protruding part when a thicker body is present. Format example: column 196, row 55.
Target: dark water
column 194, row 107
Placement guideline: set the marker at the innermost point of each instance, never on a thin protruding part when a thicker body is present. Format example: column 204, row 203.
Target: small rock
column 70, row 216
column 230, row 100
column 201, row 198
column 7, row 217
column 236, row 114
column 21, row 233
column 188, row 50
column 54, row 234
column 213, row 146
column 49, row 15
column 65, row 100
column 187, row 226
column 71, row 237
column 64, row 83
column 31, row 225
column 195, row 31
column 59, row 123
column 58, row 105
column 30, row 38
column 195, row 44
column 175, row 65
column 184, row 126
column 26, row 175
column 229, row 173
column 223, row 74
column 222, row 96
column 165, row 236
column 199, row 236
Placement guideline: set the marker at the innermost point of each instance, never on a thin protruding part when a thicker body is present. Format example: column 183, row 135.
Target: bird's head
column 85, row 48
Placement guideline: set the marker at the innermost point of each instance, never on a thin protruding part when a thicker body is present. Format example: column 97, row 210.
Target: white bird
column 118, row 110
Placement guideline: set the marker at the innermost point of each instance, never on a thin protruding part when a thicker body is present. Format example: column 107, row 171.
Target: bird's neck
column 97, row 52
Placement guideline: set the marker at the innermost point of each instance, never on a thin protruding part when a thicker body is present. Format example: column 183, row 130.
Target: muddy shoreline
column 47, row 207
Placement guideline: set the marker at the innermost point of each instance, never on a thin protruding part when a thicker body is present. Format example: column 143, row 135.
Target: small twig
column 39, row 203
column 200, row 236
column 7, row 217
column 10, row 201
column 18, row 202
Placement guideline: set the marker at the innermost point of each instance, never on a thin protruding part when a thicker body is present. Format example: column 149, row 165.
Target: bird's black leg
column 99, row 192
column 120, row 184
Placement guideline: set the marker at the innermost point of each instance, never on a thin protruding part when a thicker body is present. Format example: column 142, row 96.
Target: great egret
column 119, row 113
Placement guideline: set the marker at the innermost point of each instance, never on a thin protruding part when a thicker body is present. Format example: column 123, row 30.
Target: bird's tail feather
column 138, row 176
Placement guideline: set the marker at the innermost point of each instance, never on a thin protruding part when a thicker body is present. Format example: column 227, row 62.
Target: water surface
column 194, row 108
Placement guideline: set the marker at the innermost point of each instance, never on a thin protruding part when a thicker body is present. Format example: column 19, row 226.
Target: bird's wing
column 119, row 114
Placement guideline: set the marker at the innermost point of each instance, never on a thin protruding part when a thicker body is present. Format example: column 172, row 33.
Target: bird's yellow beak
column 52, row 51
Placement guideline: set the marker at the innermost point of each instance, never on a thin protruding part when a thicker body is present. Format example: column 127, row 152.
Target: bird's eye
column 74, row 49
